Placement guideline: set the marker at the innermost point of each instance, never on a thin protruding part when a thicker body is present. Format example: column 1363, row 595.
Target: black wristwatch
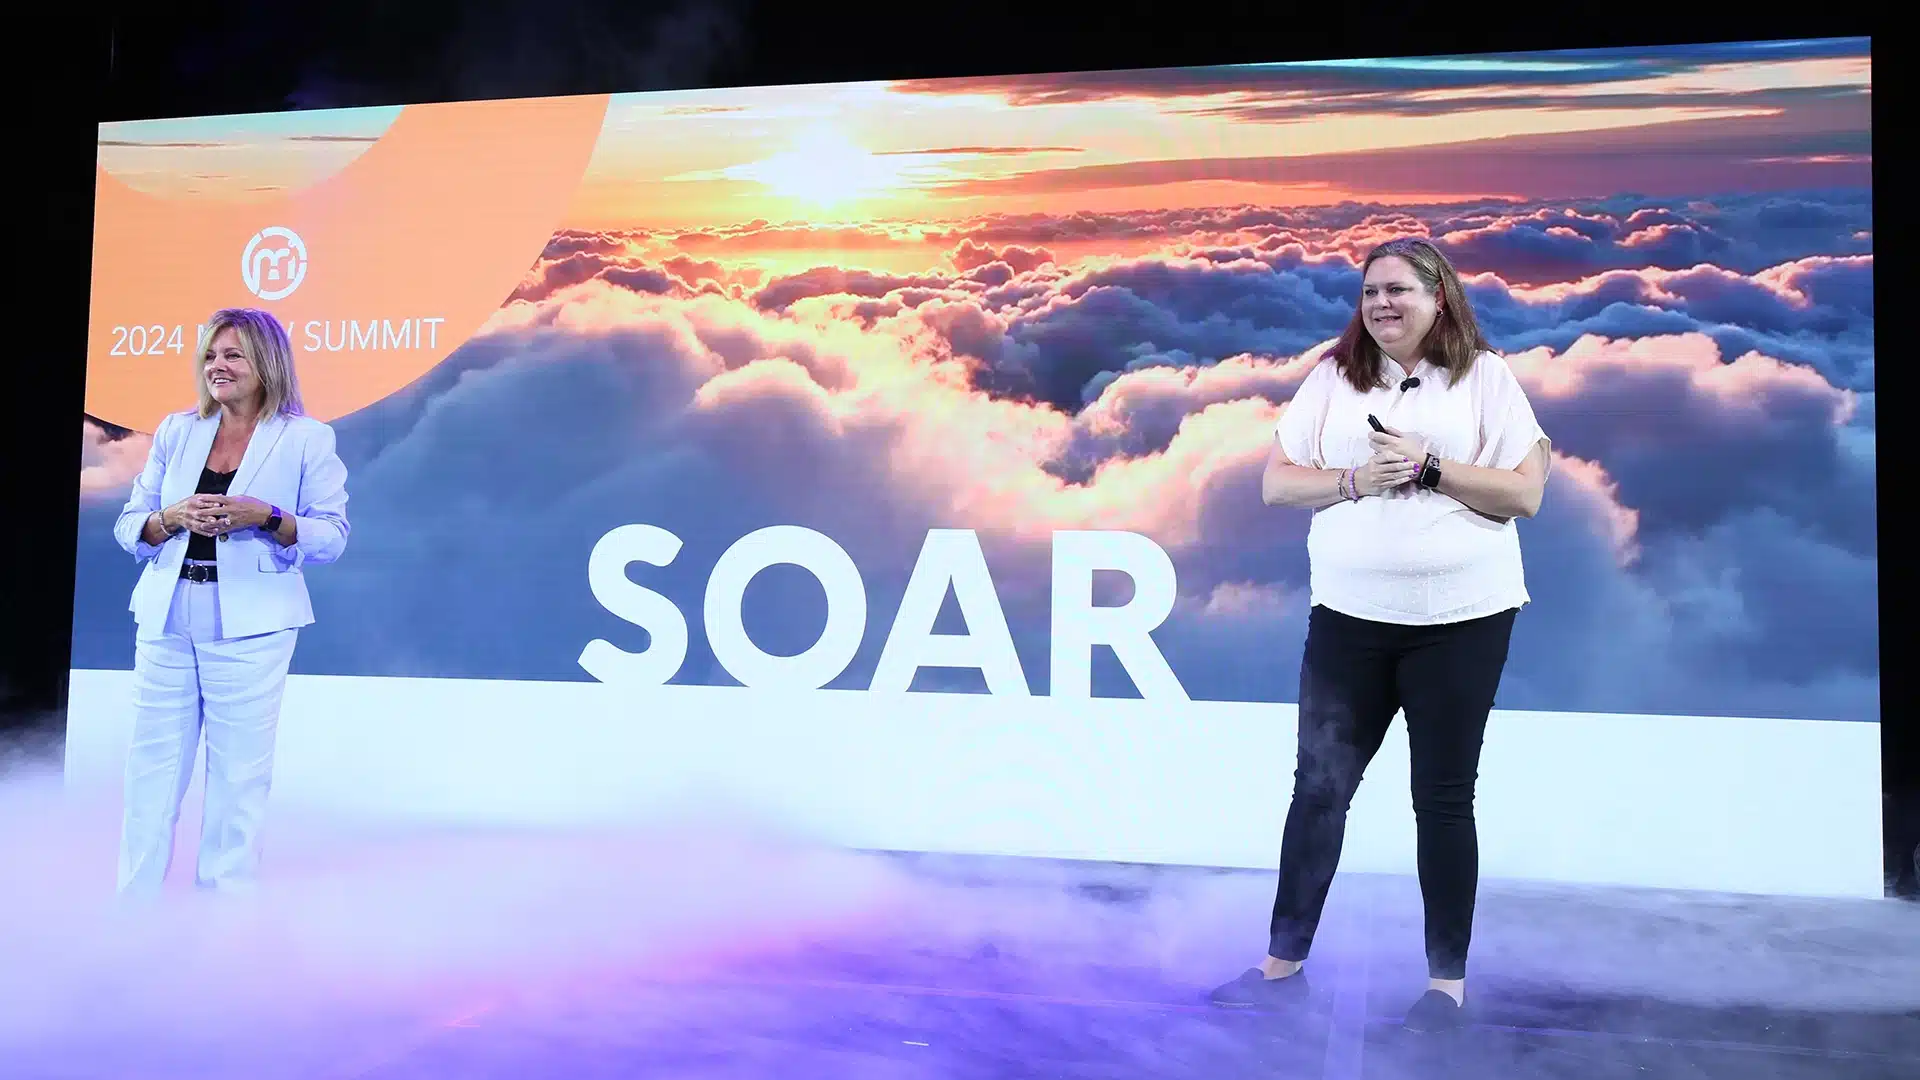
column 273, row 519
column 1429, row 477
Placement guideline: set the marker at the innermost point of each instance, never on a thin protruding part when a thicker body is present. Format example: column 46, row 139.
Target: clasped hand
column 1397, row 459
column 212, row 515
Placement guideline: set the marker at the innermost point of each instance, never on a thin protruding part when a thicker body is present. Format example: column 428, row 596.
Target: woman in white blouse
column 1416, row 449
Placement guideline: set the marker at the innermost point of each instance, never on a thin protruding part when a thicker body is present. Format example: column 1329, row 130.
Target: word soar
column 949, row 558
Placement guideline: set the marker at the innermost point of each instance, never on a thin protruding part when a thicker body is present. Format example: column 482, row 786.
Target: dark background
column 123, row 61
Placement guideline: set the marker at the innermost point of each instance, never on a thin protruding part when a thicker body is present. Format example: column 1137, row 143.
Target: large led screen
column 885, row 457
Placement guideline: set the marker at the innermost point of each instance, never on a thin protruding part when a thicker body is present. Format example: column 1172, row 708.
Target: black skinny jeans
column 1355, row 676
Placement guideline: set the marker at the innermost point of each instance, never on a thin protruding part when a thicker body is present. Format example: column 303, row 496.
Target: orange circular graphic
column 378, row 272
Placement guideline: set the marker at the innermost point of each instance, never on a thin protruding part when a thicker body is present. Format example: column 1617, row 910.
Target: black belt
column 200, row 573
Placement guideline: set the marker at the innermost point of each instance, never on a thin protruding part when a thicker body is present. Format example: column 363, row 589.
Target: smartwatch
column 273, row 519
column 1429, row 477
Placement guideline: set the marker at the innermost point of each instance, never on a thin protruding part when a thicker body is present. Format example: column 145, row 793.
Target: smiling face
column 229, row 372
column 1399, row 308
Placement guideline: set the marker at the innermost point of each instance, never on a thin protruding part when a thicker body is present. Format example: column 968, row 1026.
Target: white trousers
column 187, row 677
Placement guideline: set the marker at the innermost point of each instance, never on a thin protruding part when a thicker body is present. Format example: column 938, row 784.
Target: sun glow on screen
column 825, row 169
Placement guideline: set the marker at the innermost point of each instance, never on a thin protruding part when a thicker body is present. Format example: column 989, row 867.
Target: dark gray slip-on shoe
column 1435, row 1012
column 1253, row 990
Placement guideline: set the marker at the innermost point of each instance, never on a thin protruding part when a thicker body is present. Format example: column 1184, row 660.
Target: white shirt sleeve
column 1508, row 429
column 144, row 499
column 1304, row 419
column 320, row 514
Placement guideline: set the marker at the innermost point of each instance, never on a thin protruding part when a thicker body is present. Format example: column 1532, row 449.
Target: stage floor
column 1012, row 969
column 706, row 955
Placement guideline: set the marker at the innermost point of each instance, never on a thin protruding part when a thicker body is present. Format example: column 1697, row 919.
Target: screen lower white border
column 1727, row 804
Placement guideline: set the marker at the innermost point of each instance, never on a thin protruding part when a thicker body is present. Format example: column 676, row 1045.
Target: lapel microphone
column 1409, row 383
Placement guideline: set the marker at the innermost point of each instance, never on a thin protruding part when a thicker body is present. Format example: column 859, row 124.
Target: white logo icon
column 270, row 270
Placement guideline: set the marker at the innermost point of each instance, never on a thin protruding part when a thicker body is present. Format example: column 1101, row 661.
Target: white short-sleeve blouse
column 1413, row 556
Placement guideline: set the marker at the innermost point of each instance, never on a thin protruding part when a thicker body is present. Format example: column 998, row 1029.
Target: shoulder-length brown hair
column 1452, row 343
column 267, row 346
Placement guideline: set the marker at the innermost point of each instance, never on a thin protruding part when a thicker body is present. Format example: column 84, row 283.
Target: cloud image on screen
column 1026, row 304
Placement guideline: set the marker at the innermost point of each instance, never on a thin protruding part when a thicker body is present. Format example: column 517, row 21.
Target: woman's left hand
column 1393, row 443
column 243, row 512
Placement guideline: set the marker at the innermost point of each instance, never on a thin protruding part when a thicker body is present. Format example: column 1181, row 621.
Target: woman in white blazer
column 238, row 497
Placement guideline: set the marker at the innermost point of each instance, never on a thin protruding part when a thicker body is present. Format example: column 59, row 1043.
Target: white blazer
column 290, row 463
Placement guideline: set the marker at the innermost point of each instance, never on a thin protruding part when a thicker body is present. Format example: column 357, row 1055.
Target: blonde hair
column 268, row 349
